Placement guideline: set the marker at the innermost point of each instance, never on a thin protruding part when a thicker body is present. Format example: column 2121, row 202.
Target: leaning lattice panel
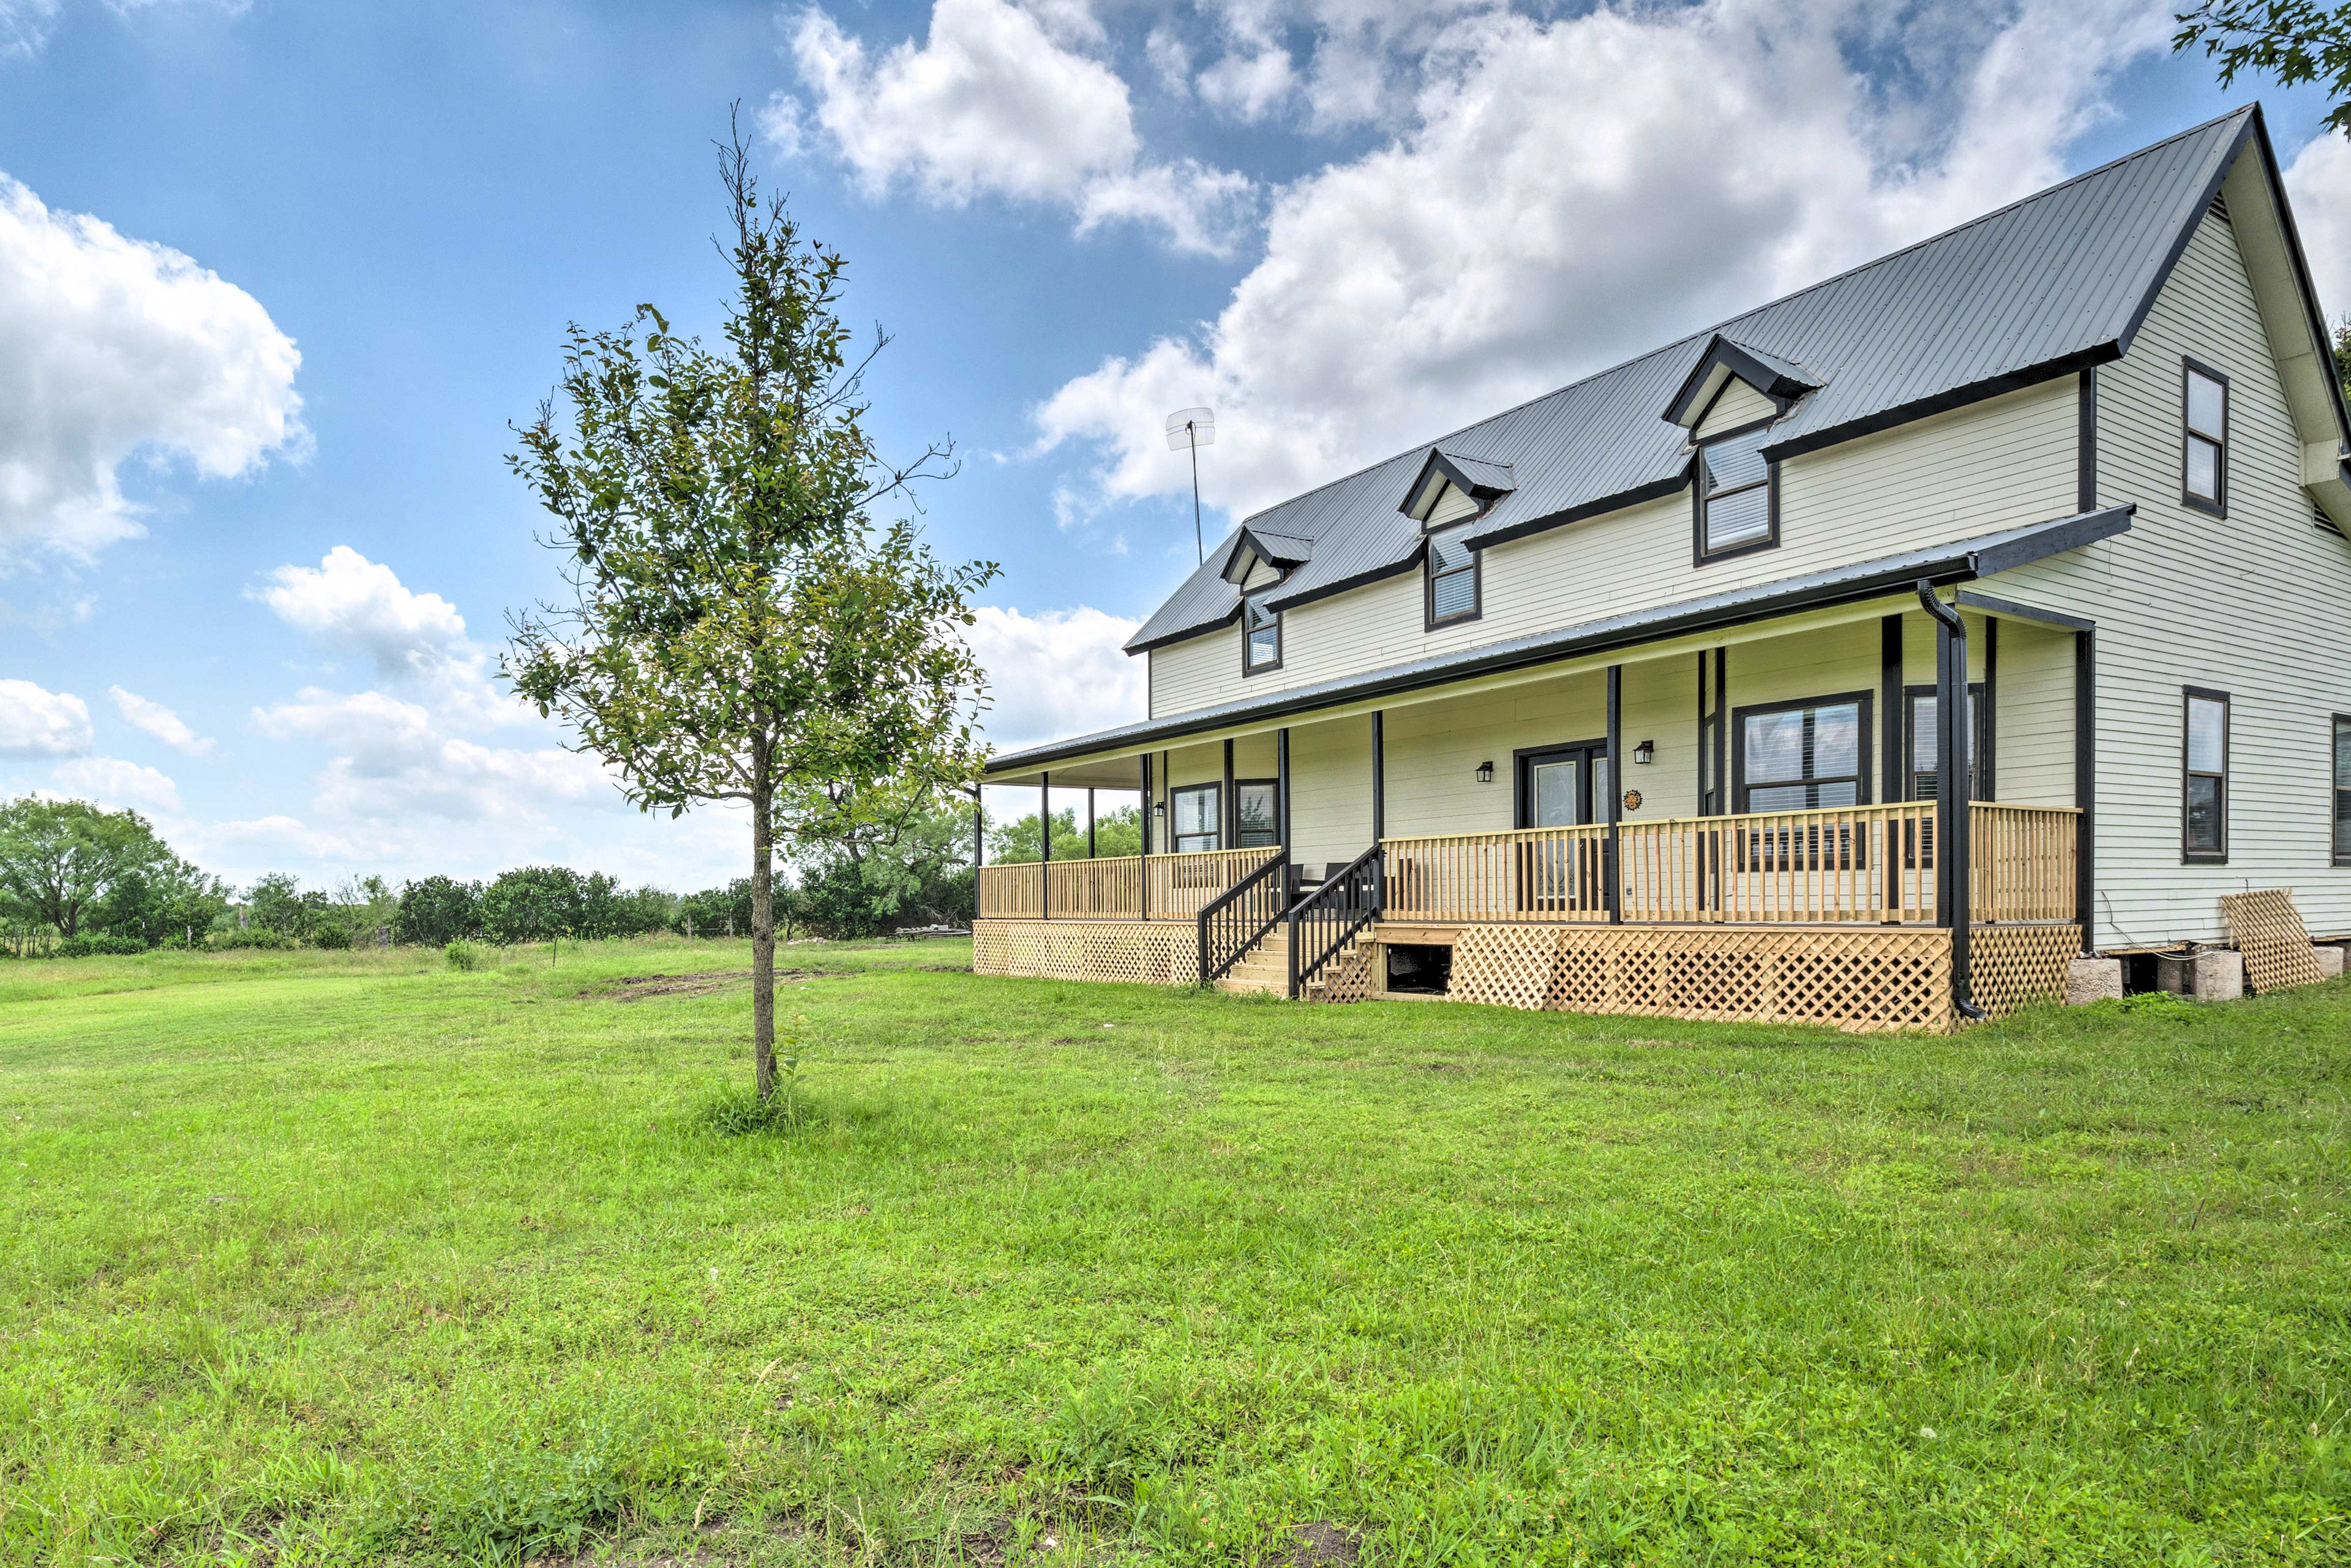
column 1504, row 966
column 2009, row 965
column 2270, row 934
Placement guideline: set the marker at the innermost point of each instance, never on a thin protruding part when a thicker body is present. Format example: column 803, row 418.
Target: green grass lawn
column 333, row 1257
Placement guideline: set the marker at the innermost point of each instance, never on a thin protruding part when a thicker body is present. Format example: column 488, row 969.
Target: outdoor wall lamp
column 1645, row 753
column 1485, row 773
column 1159, row 808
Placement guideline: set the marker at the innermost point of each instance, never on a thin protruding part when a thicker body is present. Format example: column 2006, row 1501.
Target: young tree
column 533, row 904
column 740, row 629
column 60, row 860
column 2292, row 40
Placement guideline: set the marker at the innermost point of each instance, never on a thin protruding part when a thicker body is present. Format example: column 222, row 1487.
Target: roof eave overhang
column 1182, row 634
column 1728, row 357
column 1963, row 561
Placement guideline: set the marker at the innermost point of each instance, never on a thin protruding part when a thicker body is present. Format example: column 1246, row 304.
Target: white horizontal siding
column 1995, row 465
column 2254, row 604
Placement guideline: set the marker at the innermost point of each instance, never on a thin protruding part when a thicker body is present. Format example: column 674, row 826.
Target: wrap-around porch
column 1783, row 802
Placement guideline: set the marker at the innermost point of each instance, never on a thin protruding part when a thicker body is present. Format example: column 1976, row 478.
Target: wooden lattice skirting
column 2009, row 965
column 1151, row 953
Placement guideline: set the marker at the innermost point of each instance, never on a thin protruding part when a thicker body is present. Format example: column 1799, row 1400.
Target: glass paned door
column 1565, row 786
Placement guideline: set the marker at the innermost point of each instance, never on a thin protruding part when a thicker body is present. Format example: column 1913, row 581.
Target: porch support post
column 1090, row 822
column 1891, row 719
column 1281, row 789
column 1953, row 810
column 1143, row 905
column 2085, row 784
column 1045, row 843
column 1379, row 775
column 979, row 846
column 1616, row 791
column 1228, row 807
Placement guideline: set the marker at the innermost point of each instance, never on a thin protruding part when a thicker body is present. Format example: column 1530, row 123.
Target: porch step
column 1263, row 969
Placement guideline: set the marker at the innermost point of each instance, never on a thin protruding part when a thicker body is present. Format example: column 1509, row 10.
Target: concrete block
column 2330, row 959
column 2176, row 973
column 2092, row 979
column 2220, row 976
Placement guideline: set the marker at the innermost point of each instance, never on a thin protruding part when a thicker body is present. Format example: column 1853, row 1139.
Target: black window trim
column 2337, row 855
column 1980, row 695
column 2218, row 508
column 1477, row 570
column 1699, row 554
column 1737, row 737
column 1176, row 836
column 2188, row 856
column 1280, row 638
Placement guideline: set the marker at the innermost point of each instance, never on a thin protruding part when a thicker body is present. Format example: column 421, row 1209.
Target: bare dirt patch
column 1323, row 1542
column 637, row 987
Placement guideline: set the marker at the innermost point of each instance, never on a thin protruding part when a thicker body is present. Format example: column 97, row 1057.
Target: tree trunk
column 763, row 922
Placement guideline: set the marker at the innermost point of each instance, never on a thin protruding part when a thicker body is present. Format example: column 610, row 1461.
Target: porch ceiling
column 1962, row 560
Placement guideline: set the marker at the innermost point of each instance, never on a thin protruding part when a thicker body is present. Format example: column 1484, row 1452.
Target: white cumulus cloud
column 1060, row 672
column 2318, row 183
column 160, row 722
column 356, row 603
column 996, row 102
column 35, row 722
column 113, row 347
column 111, row 782
column 1571, row 190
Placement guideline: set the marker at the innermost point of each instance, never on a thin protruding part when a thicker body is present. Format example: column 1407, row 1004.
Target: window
column 1794, row 757
column 1263, row 623
column 2204, row 806
column 2205, row 462
column 1738, row 496
column 1197, row 811
column 2341, row 790
column 1922, row 735
column 1452, row 579
column 1260, row 822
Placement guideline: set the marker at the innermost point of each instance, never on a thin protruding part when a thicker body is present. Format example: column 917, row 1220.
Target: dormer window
column 1737, row 496
column 1452, row 579
column 1452, row 489
column 1260, row 634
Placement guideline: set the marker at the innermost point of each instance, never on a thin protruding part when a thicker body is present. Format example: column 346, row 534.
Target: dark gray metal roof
column 2040, row 289
column 1962, row 560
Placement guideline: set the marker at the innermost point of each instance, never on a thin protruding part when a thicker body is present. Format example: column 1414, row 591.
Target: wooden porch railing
column 1183, row 885
column 2021, row 860
column 1860, row 864
column 1110, row 888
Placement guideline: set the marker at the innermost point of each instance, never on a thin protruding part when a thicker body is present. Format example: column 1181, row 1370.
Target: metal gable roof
column 2050, row 284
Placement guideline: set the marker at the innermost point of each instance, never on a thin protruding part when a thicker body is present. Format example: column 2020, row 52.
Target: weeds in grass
column 464, row 956
column 2145, row 1005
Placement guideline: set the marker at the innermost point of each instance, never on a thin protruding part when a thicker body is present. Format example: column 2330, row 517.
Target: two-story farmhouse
column 1863, row 659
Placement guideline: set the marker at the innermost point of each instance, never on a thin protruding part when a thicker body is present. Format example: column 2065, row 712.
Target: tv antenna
column 1193, row 428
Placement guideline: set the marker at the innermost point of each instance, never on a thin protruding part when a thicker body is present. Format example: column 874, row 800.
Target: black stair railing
column 1323, row 923
column 1238, row 919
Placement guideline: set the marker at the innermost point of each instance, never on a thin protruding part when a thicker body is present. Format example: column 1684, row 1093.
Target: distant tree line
column 76, row 879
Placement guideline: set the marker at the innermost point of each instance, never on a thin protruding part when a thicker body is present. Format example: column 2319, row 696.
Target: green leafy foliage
column 463, row 955
column 438, row 910
column 68, row 866
column 1116, row 832
column 99, row 943
column 2290, row 41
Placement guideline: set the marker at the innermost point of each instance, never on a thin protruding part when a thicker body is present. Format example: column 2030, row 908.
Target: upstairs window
column 1261, row 625
column 1737, row 496
column 2204, row 482
column 2204, row 786
column 1452, row 579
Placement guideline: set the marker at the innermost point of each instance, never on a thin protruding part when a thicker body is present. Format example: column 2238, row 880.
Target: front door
column 1561, row 787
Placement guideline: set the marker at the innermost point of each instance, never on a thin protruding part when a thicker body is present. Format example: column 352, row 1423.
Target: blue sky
column 261, row 601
